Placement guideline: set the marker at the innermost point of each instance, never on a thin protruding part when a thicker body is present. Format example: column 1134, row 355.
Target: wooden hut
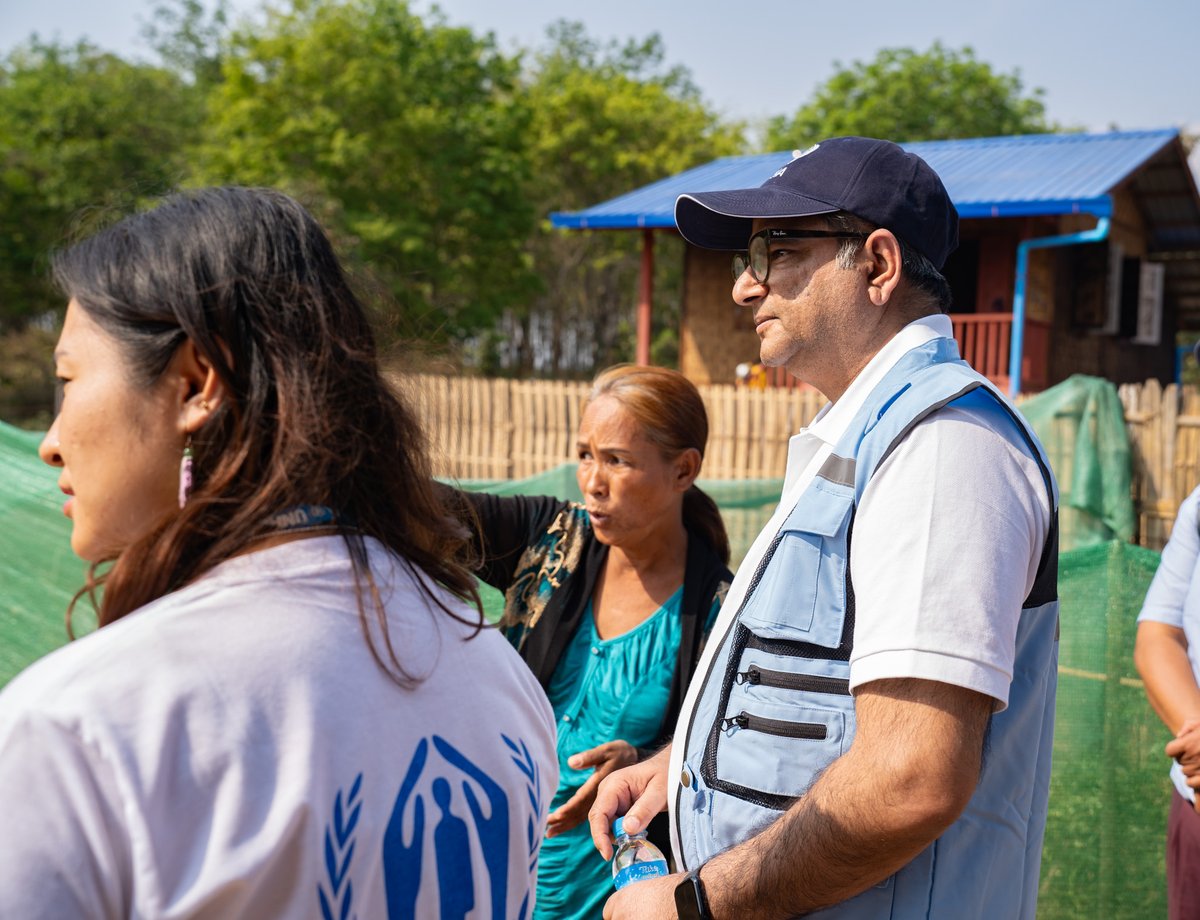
column 1079, row 253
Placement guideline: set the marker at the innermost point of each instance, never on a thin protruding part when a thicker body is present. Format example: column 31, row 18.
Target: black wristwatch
column 690, row 902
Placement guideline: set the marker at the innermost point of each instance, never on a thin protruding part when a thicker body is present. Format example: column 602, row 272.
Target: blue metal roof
column 986, row 177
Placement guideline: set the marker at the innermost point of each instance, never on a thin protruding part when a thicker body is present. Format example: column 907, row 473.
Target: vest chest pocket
column 767, row 748
column 800, row 589
column 782, row 718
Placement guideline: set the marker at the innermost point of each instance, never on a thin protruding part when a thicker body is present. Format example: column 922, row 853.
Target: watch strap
column 691, row 902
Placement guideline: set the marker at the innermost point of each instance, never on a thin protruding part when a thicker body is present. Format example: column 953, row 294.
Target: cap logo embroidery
column 796, row 155
column 900, row 191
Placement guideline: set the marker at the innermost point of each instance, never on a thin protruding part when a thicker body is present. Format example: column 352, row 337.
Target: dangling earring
column 185, row 473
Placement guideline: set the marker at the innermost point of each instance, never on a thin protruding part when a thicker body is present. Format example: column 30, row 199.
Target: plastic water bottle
column 635, row 858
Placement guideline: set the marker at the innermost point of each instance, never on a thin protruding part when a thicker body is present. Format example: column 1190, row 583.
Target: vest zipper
column 813, row 731
column 787, row 681
column 779, row 803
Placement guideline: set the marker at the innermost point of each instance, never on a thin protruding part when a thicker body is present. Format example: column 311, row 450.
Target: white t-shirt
column 233, row 750
column 1174, row 598
column 945, row 548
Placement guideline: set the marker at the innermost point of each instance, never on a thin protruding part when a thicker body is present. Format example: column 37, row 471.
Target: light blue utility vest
column 776, row 708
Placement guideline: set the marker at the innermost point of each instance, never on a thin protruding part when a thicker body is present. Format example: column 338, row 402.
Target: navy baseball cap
column 875, row 180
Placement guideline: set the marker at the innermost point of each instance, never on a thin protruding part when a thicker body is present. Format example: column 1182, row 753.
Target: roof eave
column 576, row 220
column 1100, row 206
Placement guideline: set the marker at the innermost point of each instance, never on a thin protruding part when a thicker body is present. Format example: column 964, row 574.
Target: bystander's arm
column 1160, row 655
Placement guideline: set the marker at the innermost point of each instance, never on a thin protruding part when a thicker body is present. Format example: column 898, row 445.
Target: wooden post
column 645, row 297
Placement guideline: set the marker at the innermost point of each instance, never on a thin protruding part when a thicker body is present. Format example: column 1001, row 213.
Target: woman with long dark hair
column 609, row 600
column 290, row 708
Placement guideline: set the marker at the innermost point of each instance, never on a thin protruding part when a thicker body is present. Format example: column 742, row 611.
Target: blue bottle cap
column 619, row 827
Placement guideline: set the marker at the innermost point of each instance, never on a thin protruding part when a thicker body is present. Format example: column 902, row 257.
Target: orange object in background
column 753, row 376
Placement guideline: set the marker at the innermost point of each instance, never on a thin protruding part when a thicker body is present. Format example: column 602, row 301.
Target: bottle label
column 653, row 868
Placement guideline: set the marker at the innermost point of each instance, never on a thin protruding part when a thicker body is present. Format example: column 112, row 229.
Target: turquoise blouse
column 634, row 669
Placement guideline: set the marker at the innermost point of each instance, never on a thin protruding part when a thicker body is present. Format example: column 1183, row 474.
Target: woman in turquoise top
column 603, row 689
column 609, row 600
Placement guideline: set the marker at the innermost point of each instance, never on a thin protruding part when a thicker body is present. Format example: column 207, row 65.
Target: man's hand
column 638, row 792
column 606, row 758
column 649, row 899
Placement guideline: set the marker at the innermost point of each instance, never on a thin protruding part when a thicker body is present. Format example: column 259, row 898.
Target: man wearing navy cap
column 869, row 730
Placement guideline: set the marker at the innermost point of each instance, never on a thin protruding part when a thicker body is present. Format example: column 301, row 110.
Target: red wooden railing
column 983, row 340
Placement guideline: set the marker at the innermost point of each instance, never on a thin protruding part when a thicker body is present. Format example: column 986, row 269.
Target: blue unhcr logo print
column 439, row 833
column 338, row 897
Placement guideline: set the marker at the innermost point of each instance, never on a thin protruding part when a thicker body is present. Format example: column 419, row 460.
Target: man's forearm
column 830, row 846
column 869, row 814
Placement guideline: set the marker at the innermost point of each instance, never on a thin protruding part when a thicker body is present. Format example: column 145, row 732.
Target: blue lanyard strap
column 301, row 517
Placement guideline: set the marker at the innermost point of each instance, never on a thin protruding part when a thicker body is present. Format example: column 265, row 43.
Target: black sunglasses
column 757, row 257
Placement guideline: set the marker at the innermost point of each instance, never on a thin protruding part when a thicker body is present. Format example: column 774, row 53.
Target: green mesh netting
column 38, row 572
column 1109, row 787
column 1109, row 791
column 1082, row 426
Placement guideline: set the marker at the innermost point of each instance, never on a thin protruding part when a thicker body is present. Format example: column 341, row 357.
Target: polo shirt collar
column 831, row 422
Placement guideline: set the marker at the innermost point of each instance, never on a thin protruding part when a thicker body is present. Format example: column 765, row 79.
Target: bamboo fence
column 494, row 429
column 1164, row 437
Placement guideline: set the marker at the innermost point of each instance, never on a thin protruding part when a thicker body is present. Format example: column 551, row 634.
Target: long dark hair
column 671, row 414
column 251, row 279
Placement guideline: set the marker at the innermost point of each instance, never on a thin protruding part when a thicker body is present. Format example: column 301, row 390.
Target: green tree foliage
column 605, row 119
column 80, row 130
column 406, row 138
column 188, row 38
column 904, row 95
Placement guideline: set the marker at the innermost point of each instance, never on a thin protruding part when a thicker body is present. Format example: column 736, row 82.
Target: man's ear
column 687, row 468
column 198, row 388
column 884, row 264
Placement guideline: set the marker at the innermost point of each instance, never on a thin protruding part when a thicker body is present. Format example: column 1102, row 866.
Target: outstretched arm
column 501, row 527
column 910, row 772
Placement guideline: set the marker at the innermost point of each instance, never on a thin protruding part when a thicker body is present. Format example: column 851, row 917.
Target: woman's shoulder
column 85, row 677
column 569, row 517
column 529, row 512
column 114, row 661
column 558, row 548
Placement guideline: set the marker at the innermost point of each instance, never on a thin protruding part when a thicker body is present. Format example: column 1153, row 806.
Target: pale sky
column 1101, row 64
